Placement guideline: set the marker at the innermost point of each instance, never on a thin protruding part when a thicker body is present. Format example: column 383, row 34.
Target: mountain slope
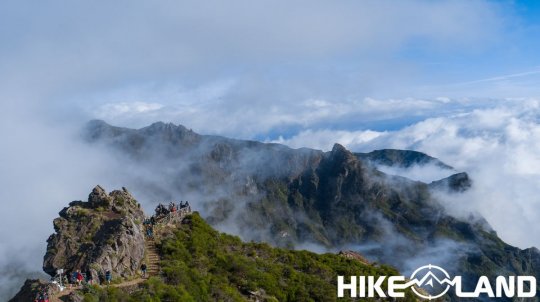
column 269, row 192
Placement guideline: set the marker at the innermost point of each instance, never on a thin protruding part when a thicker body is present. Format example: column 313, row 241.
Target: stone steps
column 152, row 258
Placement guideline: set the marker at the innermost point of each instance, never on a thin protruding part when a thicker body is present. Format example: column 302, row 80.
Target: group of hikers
column 162, row 211
column 78, row 278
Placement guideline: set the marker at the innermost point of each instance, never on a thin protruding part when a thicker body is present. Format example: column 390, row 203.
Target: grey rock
column 102, row 234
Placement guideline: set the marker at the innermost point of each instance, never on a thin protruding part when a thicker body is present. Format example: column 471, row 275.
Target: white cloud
column 202, row 106
column 325, row 139
column 113, row 110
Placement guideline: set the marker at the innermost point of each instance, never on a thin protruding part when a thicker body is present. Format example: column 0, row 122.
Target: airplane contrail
column 501, row 78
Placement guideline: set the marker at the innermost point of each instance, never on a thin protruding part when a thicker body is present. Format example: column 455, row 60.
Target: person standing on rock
column 65, row 281
column 149, row 231
column 143, row 270
column 108, row 276
column 89, row 278
column 74, row 277
column 79, row 278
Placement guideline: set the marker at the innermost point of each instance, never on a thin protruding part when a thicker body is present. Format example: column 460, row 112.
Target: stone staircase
column 152, row 257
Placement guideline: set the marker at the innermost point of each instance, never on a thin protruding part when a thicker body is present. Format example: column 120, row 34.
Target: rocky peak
column 458, row 182
column 341, row 161
column 340, row 154
column 161, row 132
column 99, row 198
column 104, row 233
column 161, row 128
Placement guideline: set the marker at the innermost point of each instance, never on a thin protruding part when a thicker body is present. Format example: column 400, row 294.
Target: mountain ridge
column 291, row 197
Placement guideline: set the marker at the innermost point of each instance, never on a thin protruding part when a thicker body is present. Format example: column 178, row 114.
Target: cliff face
column 104, row 233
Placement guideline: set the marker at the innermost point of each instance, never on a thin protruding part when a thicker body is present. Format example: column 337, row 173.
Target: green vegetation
column 201, row 264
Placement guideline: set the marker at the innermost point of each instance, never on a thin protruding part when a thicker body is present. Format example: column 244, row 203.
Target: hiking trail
column 152, row 258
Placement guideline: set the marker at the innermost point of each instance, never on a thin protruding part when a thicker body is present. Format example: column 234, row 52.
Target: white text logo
column 432, row 282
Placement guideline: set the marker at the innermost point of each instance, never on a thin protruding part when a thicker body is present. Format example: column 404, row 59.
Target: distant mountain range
column 310, row 198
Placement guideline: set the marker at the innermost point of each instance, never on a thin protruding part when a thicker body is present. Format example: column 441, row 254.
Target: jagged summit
column 162, row 126
column 458, row 182
column 103, row 233
column 340, row 153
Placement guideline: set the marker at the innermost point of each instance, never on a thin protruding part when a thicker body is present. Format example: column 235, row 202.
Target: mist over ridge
column 324, row 201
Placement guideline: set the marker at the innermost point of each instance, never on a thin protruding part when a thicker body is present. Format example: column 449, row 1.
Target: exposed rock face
column 102, row 234
column 32, row 288
column 458, row 182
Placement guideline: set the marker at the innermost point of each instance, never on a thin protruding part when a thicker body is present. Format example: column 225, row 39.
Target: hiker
column 149, row 231
column 108, row 277
column 80, row 278
column 160, row 210
column 143, row 270
column 73, row 278
column 89, row 278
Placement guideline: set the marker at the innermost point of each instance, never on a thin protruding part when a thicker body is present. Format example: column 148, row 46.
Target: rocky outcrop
column 458, row 182
column 32, row 289
column 104, row 233
column 401, row 158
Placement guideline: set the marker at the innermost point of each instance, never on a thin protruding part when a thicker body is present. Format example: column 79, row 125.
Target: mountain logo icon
column 434, row 280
